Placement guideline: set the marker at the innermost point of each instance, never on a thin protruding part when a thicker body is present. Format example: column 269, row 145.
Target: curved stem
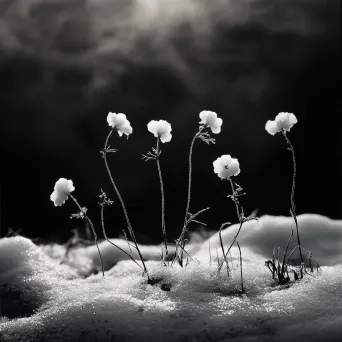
column 222, row 248
column 92, row 228
column 162, row 198
column 112, row 243
column 235, row 237
column 190, row 174
column 181, row 238
column 293, row 206
column 240, row 218
column 129, row 226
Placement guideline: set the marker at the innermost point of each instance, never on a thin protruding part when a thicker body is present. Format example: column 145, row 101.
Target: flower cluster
column 283, row 123
column 225, row 167
column 61, row 192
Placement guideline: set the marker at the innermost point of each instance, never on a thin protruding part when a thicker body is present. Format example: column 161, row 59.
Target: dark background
column 65, row 64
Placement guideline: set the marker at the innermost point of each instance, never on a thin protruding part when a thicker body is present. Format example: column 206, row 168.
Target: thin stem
column 242, row 288
column 186, row 221
column 221, row 243
column 284, row 266
column 240, row 218
column 162, row 198
column 190, row 174
column 236, row 201
column 112, row 243
column 129, row 226
column 293, row 206
column 92, row 228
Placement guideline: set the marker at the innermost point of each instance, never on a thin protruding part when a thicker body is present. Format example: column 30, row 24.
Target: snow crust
column 45, row 297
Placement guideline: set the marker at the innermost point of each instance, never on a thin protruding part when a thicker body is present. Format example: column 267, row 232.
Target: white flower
column 61, row 191
column 282, row 122
column 160, row 129
column 210, row 119
column 226, row 166
column 120, row 122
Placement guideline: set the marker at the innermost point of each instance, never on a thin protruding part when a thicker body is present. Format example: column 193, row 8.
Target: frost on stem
column 209, row 121
column 122, row 125
column 162, row 131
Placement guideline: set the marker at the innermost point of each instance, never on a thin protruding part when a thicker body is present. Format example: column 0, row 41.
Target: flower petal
column 166, row 137
column 216, row 130
column 62, row 190
column 272, row 127
column 152, row 127
column 58, row 198
column 285, row 121
column 126, row 129
column 234, row 167
column 160, row 129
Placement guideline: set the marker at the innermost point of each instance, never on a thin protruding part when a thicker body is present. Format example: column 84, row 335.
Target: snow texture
column 49, row 297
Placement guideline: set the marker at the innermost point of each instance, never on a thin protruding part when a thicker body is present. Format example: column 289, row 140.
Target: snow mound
column 193, row 303
column 319, row 234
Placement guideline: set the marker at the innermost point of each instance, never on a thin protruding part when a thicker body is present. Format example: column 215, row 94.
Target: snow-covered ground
column 47, row 297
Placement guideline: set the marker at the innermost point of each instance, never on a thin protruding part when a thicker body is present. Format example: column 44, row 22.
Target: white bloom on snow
column 210, row 119
column 120, row 123
column 160, row 129
column 226, row 166
column 61, row 192
column 283, row 122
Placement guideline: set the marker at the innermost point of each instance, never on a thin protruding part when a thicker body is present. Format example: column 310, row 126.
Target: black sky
column 65, row 64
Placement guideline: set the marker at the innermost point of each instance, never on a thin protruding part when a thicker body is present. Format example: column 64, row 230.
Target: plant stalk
column 293, row 206
column 129, row 226
column 162, row 198
column 92, row 228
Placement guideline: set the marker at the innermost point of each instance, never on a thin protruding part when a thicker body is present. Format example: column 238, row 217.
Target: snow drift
column 46, row 297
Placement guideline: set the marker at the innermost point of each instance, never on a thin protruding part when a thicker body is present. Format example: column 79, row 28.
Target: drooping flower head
column 226, row 166
column 120, row 123
column 61, row 192
column 160, row 129
column 283, row 122
column 210, row 119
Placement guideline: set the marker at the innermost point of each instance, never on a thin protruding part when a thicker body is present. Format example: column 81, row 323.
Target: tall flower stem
column 129, row 226
column 91, row 226
column 189, row 177
column 293, row 206
column 162, row 196
column 180, row 241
